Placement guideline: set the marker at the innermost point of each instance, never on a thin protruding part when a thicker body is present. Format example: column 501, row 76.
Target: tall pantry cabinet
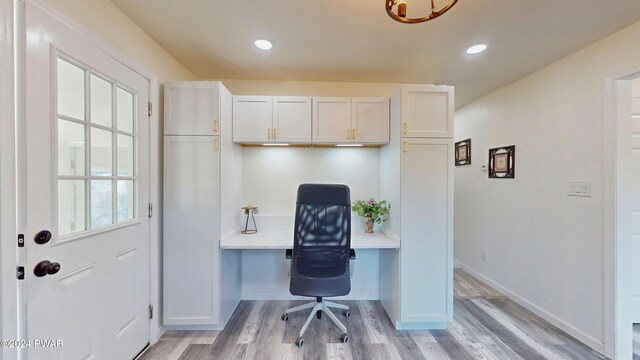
column 416, row 176
column 201, row 283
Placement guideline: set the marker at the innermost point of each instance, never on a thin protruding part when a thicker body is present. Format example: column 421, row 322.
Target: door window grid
column 96, row 181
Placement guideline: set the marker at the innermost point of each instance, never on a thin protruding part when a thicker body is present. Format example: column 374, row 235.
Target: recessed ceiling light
column 271, row 144
column 263, row 44
column 348, row 145
column 475, row 49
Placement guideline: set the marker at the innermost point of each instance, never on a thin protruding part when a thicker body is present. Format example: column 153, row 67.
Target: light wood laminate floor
column 486, row 325
column 636, row 341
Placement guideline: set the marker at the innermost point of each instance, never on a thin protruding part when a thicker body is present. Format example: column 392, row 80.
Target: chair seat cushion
column 310, row 280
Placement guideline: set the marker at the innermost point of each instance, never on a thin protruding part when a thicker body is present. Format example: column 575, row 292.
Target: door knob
column 42, row 237
column 46, row 267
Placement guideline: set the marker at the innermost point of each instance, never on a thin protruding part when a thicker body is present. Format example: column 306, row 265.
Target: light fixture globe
column 400, row 14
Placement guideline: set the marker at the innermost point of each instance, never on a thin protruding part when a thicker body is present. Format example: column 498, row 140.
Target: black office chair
column 321, row 251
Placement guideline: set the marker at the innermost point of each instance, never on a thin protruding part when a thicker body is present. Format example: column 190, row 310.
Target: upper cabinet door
column 331, row 120
column 427, row 111
column 291, row 120
column 252, row 118
column 191, row 108
column 370, row 120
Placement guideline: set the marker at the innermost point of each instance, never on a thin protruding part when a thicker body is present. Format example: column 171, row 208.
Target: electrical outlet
column 484, row 255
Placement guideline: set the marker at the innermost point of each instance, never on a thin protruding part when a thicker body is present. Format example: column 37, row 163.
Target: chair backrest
column 322, row 234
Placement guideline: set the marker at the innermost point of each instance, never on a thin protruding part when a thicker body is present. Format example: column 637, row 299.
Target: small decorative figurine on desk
column 250, row 210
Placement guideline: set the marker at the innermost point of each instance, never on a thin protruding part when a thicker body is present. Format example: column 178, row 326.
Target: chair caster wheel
column 344, row 337
column 285, row 317
column 299, row 342
column 347, row 313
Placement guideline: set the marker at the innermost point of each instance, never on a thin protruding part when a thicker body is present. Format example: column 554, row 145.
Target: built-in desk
column 283, row 239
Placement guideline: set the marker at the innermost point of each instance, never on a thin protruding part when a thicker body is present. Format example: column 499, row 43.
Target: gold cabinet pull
column 269, row 134
column 354, row 134
column 215, row 145
column 405, row 127
column 405, row 146
column 215, row 125
column 274, row 134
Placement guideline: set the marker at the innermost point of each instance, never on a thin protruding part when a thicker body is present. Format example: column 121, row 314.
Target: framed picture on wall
column 463, row 152
column 502, row 162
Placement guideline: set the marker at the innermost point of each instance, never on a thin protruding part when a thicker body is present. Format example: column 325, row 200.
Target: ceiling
column 355, row 40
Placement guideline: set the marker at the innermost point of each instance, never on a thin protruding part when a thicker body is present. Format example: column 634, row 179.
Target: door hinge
column 20, row 240
column 150, row 311
column 150, row 210
column 20, row 273
column 150, row 108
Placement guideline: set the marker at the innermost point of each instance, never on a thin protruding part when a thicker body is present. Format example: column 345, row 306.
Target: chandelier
column 401, row 12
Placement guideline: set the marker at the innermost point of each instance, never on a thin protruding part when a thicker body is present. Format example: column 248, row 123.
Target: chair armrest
column 352, row 254
column 288, row 253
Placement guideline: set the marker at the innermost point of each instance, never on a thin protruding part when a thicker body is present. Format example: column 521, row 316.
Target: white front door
column 85, row 183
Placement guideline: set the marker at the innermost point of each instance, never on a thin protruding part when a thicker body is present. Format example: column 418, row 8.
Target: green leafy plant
column 378, row 210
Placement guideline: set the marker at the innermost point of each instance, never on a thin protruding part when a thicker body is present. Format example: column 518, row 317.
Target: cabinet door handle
column 215, row 145
column 215, row 125
column 405, row 127
column 354, row 134
column 269, row 134
column 405, row 147
column 274, row 134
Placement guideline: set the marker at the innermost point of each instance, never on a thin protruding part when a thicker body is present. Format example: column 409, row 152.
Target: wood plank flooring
column 636, row 341
column 486, row 326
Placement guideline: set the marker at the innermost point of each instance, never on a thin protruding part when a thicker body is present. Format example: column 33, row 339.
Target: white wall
column 272, row 174
column 271, row 179
column 635, row 196
column 543, row 247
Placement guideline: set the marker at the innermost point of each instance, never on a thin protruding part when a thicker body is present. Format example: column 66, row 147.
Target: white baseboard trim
column 554, row 320
column 269, row 295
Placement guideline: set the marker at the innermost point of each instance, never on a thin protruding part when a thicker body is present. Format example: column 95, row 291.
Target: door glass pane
column 125, row 155
column 100, row 101
column 71, row 145
column 101, row 203
column 71, row 213
column 101, row 152
column 125, row 200
column 125, row 110
column 70, row 90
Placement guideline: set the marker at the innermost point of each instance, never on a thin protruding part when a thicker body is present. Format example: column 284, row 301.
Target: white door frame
column 617, row 249
column 8, row 245
column 12, row 178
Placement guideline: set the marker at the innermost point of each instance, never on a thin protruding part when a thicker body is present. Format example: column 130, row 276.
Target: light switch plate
column 579, row 188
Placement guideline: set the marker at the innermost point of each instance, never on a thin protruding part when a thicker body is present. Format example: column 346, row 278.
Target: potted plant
column 372, row 211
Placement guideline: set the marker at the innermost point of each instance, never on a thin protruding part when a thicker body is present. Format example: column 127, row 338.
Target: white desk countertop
column 283, row 239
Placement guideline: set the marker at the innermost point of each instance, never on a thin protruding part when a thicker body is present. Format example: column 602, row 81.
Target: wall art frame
column 463, row 152
column 502, row 162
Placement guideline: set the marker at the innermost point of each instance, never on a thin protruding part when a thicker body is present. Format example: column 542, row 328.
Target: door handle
column 42, row 237
column 46, row 267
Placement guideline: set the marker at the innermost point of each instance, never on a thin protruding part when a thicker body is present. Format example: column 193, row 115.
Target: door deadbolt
column 46, row 267
column 42, row 237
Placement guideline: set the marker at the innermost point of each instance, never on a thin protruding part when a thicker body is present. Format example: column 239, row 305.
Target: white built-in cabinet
column 416, row 176
column 306, row 120
column 201, row 283
column 331, row 120
column 191, row 108
column 338, row 120
column 267, row 119
column 427, row 111
column 370, row 120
